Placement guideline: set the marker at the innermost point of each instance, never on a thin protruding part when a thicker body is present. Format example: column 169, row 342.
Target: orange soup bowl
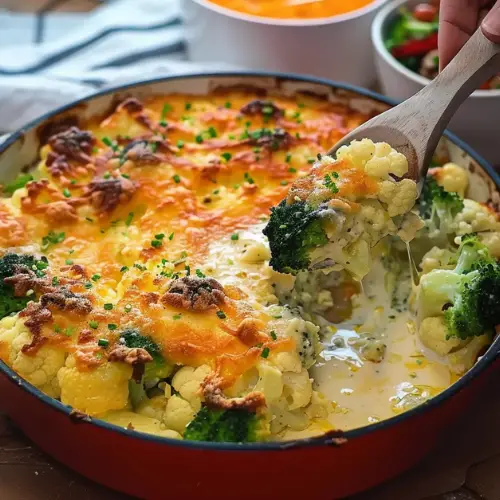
column 331, row 466
column 332, row 46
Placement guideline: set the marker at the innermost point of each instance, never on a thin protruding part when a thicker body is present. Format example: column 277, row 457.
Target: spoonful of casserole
column 364, row 189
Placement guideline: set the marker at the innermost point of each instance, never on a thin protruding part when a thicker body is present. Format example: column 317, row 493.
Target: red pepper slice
column 416, row 47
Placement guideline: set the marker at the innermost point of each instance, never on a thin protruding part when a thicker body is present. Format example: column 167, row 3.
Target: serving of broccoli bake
column 192, row 267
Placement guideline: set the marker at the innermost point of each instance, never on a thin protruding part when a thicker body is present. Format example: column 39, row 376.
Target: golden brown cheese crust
column 126, row 207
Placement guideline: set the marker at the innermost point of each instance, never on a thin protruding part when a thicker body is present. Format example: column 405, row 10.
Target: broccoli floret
column 438, row 208
column 223, row 426
column 468, row 294
column 294, row 230
column 8, row 302
column 154, row 371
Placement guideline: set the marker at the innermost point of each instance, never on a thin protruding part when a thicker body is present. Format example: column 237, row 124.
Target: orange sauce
column 293, row 9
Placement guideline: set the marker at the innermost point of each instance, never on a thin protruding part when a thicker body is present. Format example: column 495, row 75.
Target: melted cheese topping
column 134, row 213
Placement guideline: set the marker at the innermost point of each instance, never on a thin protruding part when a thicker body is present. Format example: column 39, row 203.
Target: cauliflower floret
column 270, row 381
column 153, row 408
column 437, row 258
column 95, row 391
column 433, row 334
column 476, row 218
column 140, row 423
column 297, row 389
column 306, row 339
column 492, row 242
column 398, row 196
column 452, row 178
column 462, row 360
column 187, row 383
column 39, row 369
column 319, row 407
column 255, row 252
column 410, row 226
column 288, row 361
column 178, row 414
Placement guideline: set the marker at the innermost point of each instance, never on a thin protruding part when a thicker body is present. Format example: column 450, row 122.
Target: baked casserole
column 147, row 282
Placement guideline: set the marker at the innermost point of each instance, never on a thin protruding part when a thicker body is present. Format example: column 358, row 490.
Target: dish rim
column 325, row 439
column 272, row 21
column 379, row 22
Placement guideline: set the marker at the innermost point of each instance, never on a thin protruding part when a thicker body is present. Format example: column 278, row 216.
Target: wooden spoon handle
column 478, row 60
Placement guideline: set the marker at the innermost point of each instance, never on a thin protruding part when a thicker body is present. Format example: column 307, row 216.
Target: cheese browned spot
column 106, row 194
column 214, row 397
column 196, row 294
column 262, row 107
column 135, row 356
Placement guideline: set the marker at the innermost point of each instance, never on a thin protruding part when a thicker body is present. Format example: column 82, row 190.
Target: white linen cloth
column 124, row 40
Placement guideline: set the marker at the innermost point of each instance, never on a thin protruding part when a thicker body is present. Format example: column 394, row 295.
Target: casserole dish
column 135, row 463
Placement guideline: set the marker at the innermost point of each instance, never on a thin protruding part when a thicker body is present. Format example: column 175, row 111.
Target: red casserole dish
column 331, row 466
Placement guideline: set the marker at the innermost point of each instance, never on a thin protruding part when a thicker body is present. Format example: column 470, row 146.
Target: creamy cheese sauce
column 366, row 391
column 362, row 391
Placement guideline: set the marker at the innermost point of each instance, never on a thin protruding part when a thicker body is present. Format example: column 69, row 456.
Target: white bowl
column 476, row 121
column 337, row 47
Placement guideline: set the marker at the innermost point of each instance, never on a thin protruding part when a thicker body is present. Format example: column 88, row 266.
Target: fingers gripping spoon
column 415, row 126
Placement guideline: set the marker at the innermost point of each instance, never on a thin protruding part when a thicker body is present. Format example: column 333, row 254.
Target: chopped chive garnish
column 128, row 308
column 180, row 144
column 176, row 178
column 156, row 243
column 187, row 106
column 66, row 193
column 69, row 262
column 18, row 183
column 226, row 156
column 88, row 285
column 284, row 183
column 108, row 307
column 129, row 218
column 288, row 157
column 273, row 335
column 199, row 274
column 103, row 342
column 52, row 238
column 199, row 139
column 248, row 178
column 159, row 236
column 124, row 269
column 292, row 170
column 94, row 324
column 166, row 109
column 265, row 352
column 330, row 184
column 227, row 104
column 96, row 277
column 176, row 316
column 212, row 132
column 171, row 236
column 235, row 236
column 55, row 281
column 112, row 326
column 221, row 314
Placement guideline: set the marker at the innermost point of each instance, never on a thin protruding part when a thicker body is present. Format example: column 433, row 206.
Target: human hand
column 459, row 19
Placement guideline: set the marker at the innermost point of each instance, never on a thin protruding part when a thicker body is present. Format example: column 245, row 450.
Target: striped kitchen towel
column 125, row 40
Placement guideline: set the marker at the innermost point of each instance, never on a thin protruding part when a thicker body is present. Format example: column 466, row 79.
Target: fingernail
column 491, row 25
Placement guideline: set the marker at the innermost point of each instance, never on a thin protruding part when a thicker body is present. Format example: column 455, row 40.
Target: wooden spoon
column 415, row 126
